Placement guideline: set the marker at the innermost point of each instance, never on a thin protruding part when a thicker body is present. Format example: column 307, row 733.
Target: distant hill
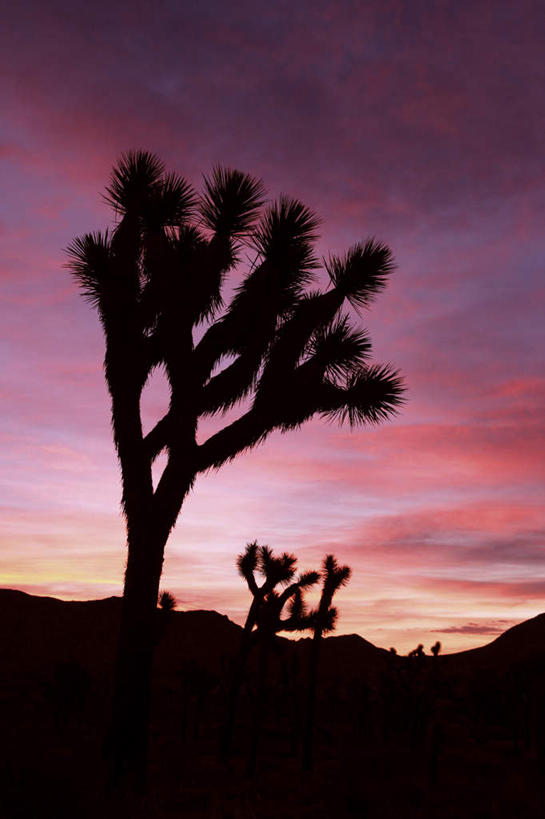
column 43, row 631
column 349, row 655
column 522, row 643
column 458, row 735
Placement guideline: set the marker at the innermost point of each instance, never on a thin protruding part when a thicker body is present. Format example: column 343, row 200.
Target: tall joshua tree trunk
column 127, row 743
column 129, row 735
column 128, row 740
column 292, row 353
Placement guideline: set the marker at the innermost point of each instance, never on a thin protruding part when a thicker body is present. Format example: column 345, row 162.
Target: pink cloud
column 491, row 627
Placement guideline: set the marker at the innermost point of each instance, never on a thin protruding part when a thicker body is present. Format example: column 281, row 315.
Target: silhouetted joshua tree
column 324, row 619
column 275, row 570
column 265, row 611
column 269, row 623
column 156, row 280
column 167, row 604
column 436, row 648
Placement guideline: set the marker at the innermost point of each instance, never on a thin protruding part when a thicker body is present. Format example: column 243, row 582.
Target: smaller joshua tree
column 269, row 623
column 324, row 620
column 265, row 614
column 167, row 604
column 274, row 570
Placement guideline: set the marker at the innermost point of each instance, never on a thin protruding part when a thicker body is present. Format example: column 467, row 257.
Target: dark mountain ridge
column 43, row 630
column 523, row 642
column 457, row 735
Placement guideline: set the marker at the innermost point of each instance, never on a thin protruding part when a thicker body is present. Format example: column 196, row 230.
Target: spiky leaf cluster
column 167, row 601
column 333, row 577
column 264, row 572
column 158, row 281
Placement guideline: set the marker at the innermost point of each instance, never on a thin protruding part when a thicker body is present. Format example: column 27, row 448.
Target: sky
column 420, row 123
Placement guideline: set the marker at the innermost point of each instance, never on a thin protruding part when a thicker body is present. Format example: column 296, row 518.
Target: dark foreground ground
column 455, row 736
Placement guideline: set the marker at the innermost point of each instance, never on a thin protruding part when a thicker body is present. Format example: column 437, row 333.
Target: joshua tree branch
column 157, row 438
column 225, row 445
column 232, row 384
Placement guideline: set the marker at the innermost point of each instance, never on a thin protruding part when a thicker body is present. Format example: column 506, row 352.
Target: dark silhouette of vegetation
column 436, row 648
column 324, row 618
column 264, row 615
column 167, row 602
column 288, row 352
column 265, row 620
column 269, row 623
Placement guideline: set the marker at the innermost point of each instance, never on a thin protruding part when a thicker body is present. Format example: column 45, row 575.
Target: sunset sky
column 415, row 121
